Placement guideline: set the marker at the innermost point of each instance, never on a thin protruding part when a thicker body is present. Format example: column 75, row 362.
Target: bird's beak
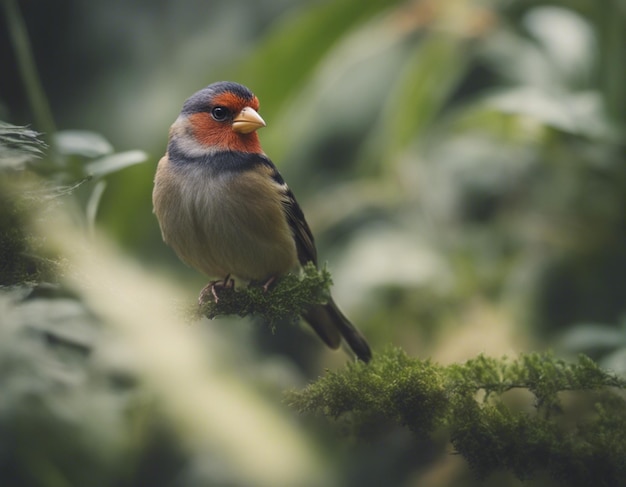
column 247, row 120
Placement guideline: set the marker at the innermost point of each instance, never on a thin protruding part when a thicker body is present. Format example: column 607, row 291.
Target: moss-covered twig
column 285, row 300
column 582, row 445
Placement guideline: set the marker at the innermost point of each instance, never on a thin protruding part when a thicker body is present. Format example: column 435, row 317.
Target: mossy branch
column 579, row 440
column 283, row 301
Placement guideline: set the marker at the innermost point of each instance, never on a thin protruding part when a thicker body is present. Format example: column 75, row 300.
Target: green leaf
column 115, row 162
column 81, row 143
column 577, row 113
column 418, row 96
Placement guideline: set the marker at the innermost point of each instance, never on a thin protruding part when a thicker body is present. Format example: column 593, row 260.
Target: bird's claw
column 268, row 283
column 211, row 289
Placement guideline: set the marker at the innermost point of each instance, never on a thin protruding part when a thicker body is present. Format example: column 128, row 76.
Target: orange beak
column 247, row 120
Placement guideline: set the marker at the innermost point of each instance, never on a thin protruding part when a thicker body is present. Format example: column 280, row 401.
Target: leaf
column 567, row 40
column 82, row 143
column 115, row 162
column 93, row 203
column 576, row 113
column 419, row 95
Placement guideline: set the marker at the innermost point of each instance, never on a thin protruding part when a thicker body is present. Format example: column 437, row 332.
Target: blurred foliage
column 604, row 342
column 460, row 162
column 22, row 254
column 53, row 389
column 577, row 446
column 19, row 145
column 80, row 405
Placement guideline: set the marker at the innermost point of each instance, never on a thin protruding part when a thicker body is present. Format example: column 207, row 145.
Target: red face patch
column 220, row 135
column 234, row 102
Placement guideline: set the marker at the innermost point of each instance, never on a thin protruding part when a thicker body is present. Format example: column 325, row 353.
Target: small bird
column 225, row 209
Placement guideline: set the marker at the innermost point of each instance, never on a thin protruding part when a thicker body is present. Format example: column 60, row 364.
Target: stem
column 612, row 37
column 28, row 70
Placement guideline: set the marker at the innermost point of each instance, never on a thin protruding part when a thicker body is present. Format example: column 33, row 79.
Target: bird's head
column 222, row 116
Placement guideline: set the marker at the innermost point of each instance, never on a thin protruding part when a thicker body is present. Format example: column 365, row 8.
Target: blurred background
column 461, row 163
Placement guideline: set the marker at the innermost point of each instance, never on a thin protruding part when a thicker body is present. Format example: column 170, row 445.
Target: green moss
column 284, row 300
column 578, row 442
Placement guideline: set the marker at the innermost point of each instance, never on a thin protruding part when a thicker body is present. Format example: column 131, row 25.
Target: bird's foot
column 265, row 285
column 210, row 290
column 268, row 283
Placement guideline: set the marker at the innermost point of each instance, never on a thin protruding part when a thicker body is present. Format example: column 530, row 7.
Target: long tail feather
column 331, row 325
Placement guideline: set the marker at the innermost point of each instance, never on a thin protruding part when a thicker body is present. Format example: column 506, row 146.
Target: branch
column 582, row 445
column 285, row 300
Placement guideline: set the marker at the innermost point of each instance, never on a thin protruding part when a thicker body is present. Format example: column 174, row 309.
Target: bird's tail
column 331, row 325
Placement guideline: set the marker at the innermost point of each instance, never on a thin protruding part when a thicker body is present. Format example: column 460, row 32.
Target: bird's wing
column 305, row 244
column 327, row 321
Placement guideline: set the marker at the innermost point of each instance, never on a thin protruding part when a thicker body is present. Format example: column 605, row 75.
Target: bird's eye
column 219, row 113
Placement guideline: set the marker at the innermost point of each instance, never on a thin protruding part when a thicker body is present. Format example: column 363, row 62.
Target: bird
column 225, row 209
